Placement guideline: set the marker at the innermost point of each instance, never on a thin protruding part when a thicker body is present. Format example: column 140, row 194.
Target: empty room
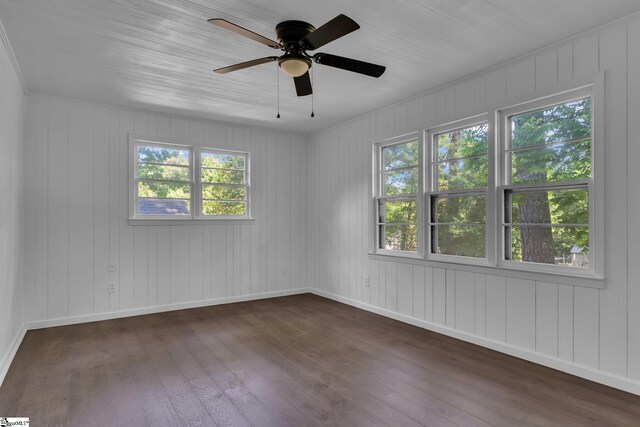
column 296, row 213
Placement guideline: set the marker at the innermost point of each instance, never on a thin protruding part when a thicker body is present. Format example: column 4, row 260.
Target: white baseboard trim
column 11, row 353
column 610, row 380
column 62, row 321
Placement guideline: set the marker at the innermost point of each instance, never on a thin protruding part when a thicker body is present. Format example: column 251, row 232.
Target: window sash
column 136, row 164
column 507, row 223
column 245, row 183
column 433, row 163
column 506, row 187
column 379, row 192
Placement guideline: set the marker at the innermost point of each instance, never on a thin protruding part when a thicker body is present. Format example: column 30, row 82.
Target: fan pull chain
column 312, row 115
column 278, row 80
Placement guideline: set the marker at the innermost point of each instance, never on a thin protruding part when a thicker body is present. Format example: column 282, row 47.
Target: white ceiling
column 158, row 54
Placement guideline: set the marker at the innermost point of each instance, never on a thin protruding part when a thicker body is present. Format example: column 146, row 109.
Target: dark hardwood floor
column 294, row 361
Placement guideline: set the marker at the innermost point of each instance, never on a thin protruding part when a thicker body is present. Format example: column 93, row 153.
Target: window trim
column 595, row 83
column 195, row 184
column 377, row 193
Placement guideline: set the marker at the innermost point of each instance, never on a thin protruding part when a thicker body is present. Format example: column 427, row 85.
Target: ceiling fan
column 295, row 38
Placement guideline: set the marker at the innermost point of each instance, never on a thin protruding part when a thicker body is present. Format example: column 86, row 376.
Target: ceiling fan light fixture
column 294, row 67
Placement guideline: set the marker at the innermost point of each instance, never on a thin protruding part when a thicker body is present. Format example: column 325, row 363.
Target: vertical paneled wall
column 596, row 329
column 12, row 117
column 77, row 160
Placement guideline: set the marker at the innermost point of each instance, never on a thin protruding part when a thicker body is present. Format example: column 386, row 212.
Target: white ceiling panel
column 158, row 54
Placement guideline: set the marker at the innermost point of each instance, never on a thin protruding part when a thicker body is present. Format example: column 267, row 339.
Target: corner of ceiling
column 12, row 57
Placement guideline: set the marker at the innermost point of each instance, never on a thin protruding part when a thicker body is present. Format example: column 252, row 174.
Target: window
column 548, row 182
column 458, row 176
column 517, row 188
column 397, row 188
column 224, row 183
column 166, row 185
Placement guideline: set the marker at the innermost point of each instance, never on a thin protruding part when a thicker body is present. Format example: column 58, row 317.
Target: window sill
column 560, row 278
column 207, row 221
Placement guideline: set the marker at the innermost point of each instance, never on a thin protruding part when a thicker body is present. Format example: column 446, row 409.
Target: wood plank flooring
column 293, row 361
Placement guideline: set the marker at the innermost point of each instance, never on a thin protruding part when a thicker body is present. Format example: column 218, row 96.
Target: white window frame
column 495, row 262
column 419, row 196
column 595, row 244
column 195, row 182
column 432, row 188
column 247, row 183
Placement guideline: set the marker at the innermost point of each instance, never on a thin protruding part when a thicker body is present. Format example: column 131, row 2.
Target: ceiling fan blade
column 303, row 84
column 244, row 32
column 349, row 64
column 240, row 66
column 339, row 26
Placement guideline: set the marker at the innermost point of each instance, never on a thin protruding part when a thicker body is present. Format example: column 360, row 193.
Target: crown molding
column 12, row 57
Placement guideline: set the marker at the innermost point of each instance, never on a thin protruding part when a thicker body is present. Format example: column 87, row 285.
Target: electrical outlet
column 112, row 267
column 284, row 272
column 112, row 287
column 365, row 279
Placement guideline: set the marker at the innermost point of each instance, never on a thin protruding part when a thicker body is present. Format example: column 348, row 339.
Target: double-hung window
column 547, row 180
column 163, row 180
column 223, row 176
column 398, row 184
column 457, row 181
column 518, row 188
column 182, row 182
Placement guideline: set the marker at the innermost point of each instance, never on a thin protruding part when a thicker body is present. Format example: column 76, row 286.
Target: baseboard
column 62, row 321
column 615, row 381
column 610, row 380
column 6, row 360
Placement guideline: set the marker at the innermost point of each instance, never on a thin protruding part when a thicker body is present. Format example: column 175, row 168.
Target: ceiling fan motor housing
column 291, row 32
column 295, row 61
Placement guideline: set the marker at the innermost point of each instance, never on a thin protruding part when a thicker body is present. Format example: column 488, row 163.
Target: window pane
column 552, row 163
column 402, row 181
column 564, row 122
column 462, row 174
column 458, row 240
column 400, row 155
column 399, row 237
column 550, row 245
column 550, row 207
column 460, row 209
column 167, row 156
column 222, row 176
column 222, row 192
column 397, row 211
column 223, row 208
column 222, row 160
column 163, row 207
column 167, row 173
column 462, row 143
column 163, row 190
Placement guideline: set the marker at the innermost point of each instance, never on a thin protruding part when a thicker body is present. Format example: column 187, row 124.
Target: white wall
column 12, row 113
column 592, row 332
column 77, row 216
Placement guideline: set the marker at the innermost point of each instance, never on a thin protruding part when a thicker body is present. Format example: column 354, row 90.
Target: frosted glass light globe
column 294, row 67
